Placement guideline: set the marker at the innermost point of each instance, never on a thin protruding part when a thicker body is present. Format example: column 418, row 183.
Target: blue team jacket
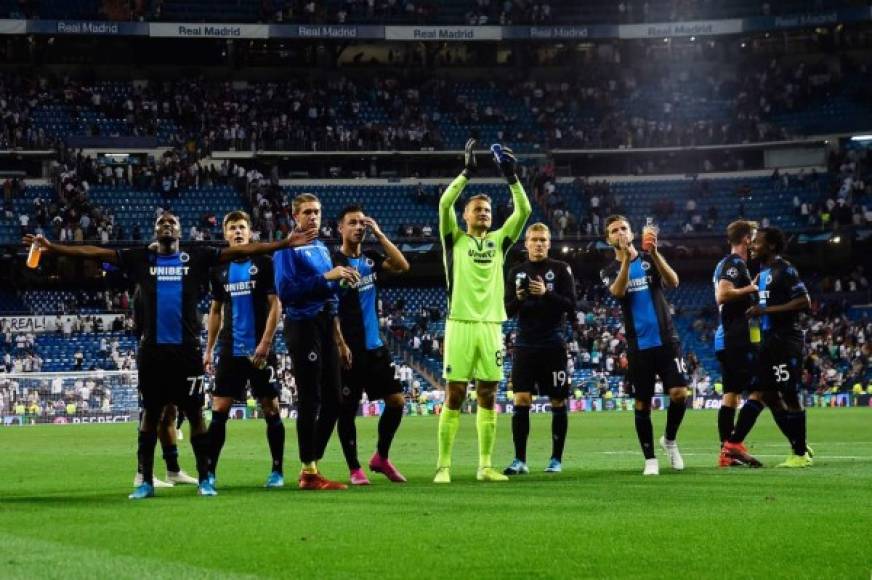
column 300, row 282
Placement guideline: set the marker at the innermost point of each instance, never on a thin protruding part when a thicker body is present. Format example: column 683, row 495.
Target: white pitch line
column 713, row 454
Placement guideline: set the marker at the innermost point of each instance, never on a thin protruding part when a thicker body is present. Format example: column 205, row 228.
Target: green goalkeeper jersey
column 474, row 266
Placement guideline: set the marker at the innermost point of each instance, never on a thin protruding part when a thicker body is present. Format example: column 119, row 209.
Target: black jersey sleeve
column 794, row 287
column 733, row 271
column 216, row 284
column 266, row 275
column 512, row 304
column 133, row 262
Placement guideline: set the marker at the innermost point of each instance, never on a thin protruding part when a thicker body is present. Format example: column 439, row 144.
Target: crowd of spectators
column 477, row 12
column 610, row 106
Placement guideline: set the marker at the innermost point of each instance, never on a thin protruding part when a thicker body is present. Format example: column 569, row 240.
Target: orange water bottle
column 34, row 255
column 649, row 234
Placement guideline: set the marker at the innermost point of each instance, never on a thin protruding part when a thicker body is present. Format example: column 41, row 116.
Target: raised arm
column 515, row 223
column 618, row 287
column 69, row 251
column 396, row 262
column 447, row 216
column 670, row 278
column 295, row 238
column 507, row 164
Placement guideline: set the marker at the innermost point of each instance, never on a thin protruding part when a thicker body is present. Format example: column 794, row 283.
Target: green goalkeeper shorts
column 473, row 350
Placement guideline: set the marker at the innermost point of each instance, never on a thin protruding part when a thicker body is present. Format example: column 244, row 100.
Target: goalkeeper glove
column 505, row 160
column 469, row 162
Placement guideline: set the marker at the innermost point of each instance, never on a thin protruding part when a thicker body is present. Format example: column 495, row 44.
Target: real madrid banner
column 674, row 29
column 207, row 30
column 464, row 33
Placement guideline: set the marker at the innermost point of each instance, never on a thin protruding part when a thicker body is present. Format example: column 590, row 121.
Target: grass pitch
column 64, row 510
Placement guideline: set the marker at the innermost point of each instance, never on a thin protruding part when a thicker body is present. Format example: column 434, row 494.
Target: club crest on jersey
column 253, row 270
column 313, row 356
column 549, row 275
column 184, row 257
column 490, row 245
column 768, row 279
column 732, row 273
column 369, row 262
column 646, row 265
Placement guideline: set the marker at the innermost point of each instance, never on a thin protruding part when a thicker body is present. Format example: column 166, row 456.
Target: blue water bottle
column 497, row 151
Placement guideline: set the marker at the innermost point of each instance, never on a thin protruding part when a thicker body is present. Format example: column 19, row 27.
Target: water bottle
column 34, row 255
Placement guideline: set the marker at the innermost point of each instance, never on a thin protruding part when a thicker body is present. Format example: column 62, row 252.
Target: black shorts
column 739, row 369
column 542, row 371
column 234, row 373
column 170, row 374
column 780, row 366
column 315, row 359
column 372, row 371
column 666, row 362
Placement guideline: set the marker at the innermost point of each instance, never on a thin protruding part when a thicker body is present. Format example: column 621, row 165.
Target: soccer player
column 169, row 359
column 782, row 296
column 308, row 285
column 736, row 345
column 168, row 429
column 365, row 359
column 473, row 332
column 541, row 293
column 636, row 279
column 168, row 432
column 246, row 311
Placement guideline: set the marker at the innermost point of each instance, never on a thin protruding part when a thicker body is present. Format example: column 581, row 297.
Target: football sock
column 145, row 455
column 307, row 415
column 486, row 425
column 674, row 417
column 747, row 417
column 387, row 428
column 324, row 426
column 347, row 431
column 171, row 456
column 217, row 434
column 449, row 422
column 559, row 426
column 796, row 421
column 275, row 436
column 521, row 431
column 645, row 432
column 726, row 421
column 780, row 418
column 202, row 447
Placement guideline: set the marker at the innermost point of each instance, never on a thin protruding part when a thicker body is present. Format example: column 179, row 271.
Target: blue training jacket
column 300, row 282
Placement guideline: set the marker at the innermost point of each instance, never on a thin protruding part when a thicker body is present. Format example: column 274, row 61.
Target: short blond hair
column 301, row 199
column 537, row 227
column 480, row 196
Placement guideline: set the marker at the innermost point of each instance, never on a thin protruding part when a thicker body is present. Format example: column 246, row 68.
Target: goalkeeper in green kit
column 473, row 332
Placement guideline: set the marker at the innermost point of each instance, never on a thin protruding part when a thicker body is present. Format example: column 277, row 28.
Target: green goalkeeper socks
column 449, row 421
column 486, row 425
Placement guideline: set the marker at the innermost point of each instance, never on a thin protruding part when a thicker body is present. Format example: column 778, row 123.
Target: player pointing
column 473, row 333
